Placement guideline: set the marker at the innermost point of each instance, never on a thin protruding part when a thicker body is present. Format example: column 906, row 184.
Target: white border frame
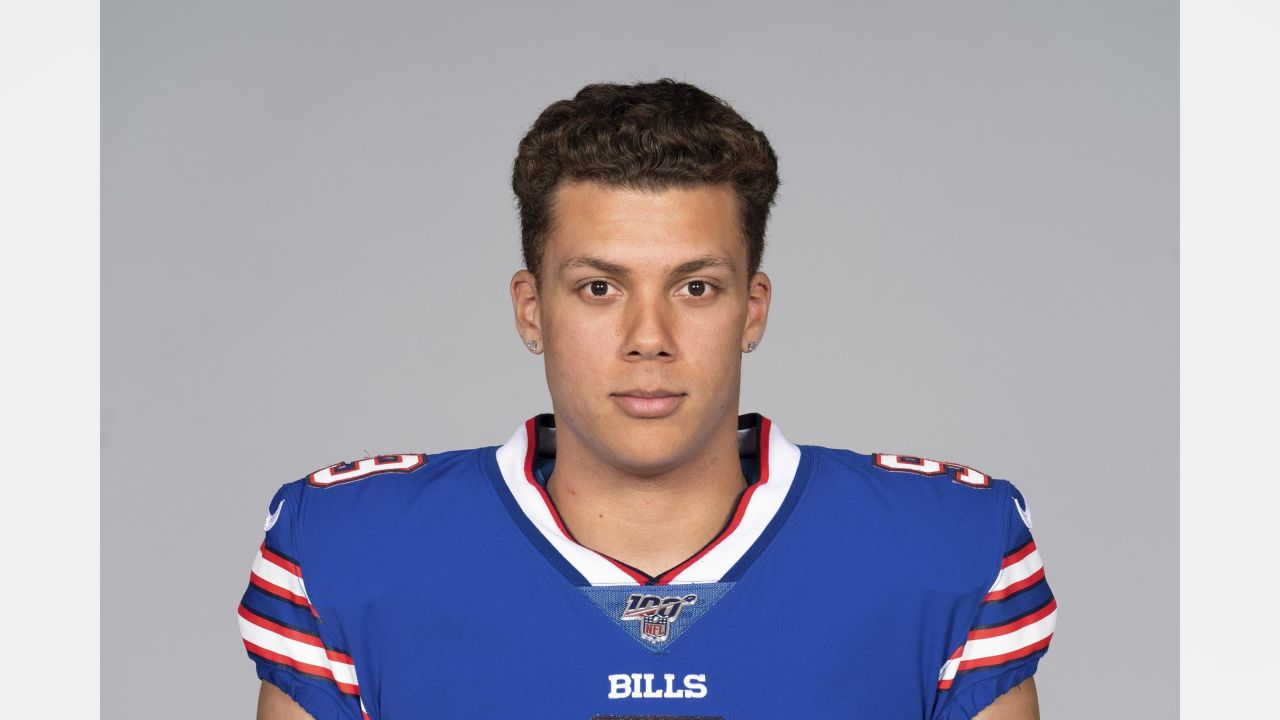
column 1230, row 495
column 49, row 353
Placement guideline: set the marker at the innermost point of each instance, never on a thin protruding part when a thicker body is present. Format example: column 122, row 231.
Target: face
column 643, row 311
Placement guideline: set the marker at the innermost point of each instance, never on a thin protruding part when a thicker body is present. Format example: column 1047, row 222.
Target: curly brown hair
column 644, row 136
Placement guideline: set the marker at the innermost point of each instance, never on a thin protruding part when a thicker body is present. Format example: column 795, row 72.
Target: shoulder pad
column 349, row 472
column 958, row 473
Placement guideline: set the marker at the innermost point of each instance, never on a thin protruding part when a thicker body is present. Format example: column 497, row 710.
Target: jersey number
column 345, row 472
column 962, row 474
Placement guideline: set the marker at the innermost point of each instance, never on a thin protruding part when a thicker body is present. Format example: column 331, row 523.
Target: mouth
column 648, row 404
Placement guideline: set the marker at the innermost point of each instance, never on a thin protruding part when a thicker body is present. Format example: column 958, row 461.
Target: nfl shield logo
column 655, row 628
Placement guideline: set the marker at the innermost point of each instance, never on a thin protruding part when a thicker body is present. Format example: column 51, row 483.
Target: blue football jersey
column 844, row 585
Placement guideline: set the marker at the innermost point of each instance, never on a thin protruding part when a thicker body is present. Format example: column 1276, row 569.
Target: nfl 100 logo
column 655, row 613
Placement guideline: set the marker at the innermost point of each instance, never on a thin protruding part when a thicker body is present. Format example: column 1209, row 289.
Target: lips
column 648, row 403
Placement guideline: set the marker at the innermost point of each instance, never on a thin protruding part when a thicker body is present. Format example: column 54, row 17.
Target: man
column 644, row 551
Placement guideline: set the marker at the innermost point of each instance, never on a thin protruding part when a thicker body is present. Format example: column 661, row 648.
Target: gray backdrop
column 308, row 230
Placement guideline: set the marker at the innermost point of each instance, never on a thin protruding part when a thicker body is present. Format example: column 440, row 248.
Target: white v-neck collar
column 761, row 501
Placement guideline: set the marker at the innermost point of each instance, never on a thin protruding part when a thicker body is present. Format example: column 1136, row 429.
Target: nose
column 648, row 329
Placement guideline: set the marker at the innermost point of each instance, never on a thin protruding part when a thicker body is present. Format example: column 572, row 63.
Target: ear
column 759, row 293
column 525, row 303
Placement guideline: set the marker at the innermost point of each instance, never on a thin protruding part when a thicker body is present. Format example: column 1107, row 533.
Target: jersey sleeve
column 282, row 631
column 1011, row 628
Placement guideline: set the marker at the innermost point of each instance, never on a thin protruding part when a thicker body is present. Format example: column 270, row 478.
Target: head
column 643, row 210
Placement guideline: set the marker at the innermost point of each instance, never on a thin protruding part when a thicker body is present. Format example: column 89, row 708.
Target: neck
column 652, row 522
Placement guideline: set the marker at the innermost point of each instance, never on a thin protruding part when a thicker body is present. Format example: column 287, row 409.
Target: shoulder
column 953, row 485
column 373, row 490
column 930, row 513
column 389, row 473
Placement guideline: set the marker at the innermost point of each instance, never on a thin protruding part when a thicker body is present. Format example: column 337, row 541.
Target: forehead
column 642, row 225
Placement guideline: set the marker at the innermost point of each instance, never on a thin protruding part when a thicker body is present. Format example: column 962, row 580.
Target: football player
column 643, row 550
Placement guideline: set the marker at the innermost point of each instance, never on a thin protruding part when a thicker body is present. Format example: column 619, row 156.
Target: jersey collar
column 776, row 461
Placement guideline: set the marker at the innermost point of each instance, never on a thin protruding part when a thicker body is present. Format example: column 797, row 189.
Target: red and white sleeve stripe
column 1001, row 644
column 292, row 647
column 299, row 650
column 279, row 576
column 1018, row 571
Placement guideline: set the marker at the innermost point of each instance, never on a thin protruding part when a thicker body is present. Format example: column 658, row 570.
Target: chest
column 774, row 644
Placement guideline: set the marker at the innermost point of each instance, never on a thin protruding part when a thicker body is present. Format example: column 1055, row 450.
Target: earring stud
column 751, row 346
column 532, row 344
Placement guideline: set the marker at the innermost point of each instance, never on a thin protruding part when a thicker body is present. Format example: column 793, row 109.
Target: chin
column 648, row 446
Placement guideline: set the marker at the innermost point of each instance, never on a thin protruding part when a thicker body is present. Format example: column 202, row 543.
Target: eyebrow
column 612, row 268
column 600, row 264
column 707, row 261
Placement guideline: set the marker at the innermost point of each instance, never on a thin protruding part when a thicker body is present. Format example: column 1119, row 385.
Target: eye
column 597, row 289
column 699, row 288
